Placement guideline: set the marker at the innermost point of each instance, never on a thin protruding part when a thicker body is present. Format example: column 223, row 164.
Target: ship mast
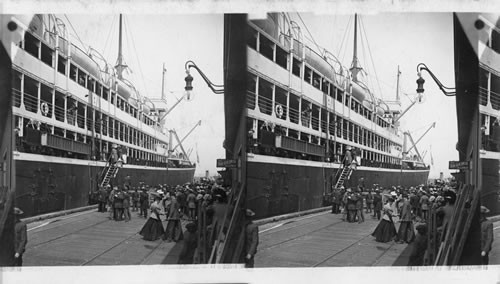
column 355, row 62
column 120, row 66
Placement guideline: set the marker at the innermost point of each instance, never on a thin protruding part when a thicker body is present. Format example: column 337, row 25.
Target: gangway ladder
column 111, row 172
column 344, row 175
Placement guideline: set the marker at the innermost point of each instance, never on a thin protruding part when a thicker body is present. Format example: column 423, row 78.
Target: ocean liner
column 304, row 112
column 477, row 79
column 71, row 111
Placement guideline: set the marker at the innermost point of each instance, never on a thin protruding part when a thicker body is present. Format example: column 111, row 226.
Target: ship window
column 90, row 118
column 339, row 124
column 280, row 99
column 281, row 57
column 315, row 117
column 110, row 127
column 297, row 64
column 340, row 95
column 307, row 74
column 294, row 108
column 70, row 135
column 305, row 113
column 97, row 122
column 304, row 137
column 293, row 133
column 81, row 115
column 91, row 84
column 47, row 55
column 73, row 72
column 59, row 106
column 58, row 132
column 105, row 93
column 324, row 121
column 347, row 100
column 46, row 100
column 81, row 77
column 16, row 87
column 251, row 88
column 495, row 91
column 266, row 47
column 116, row 128
column 331, row 125
column 265, row 96
column 495, row 40
column 113, row 97
column 332, row 90
column 31, row 44
column 325, row 86
column 61, row 65
column 316, row 80
column 252, row 36
column 98, row 89
column 30, row 94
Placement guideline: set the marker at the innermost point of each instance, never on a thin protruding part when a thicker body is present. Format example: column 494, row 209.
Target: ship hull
column 490, row 191
column 280, row 185
column 47, row 184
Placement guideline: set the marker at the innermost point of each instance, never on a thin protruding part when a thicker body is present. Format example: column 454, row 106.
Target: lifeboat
column 359, row 92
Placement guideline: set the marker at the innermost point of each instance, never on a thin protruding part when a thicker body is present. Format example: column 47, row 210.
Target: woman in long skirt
column 153, row 229
column 385, row 231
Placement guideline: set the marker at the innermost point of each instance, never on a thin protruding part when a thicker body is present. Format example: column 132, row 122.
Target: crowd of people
column 410, row 208
column 171, row 204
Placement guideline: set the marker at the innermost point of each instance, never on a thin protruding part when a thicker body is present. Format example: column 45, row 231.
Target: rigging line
column 138, row 61
column 77, row 36
column 348, row 31
column 371, row 56
column 341, row 44
column 307, row 29
column 109, row 35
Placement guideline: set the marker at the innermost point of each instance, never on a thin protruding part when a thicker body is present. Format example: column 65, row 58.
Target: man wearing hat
column 251, row 239
column 486, row 235
column 21, row 237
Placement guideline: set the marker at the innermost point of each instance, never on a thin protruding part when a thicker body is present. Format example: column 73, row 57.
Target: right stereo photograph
column 372, row 140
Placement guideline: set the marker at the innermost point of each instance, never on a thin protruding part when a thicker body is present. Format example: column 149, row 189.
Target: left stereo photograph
column 122, row 139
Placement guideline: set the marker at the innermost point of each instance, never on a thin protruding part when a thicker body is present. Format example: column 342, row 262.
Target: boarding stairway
column 108, row 173
column 344, row 175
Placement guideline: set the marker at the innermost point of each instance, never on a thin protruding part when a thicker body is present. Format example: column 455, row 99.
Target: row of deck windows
column 102, row 147
column 291, row 107
column 336, row 149
column 39, row 97
column 37, row 48
column 275, row 53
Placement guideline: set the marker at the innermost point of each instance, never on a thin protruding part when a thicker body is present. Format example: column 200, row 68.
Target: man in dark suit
column 486, row 235
column 251, row 239
column 21, row 238
column 377, row 204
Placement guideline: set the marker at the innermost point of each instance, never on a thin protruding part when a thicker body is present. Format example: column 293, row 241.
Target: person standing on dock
column 405, row 232
column 173, row 232
column 377, row 204
column 386, row 231
column 486, row 235
column 153, row 229
column 21, row 237
column 251, row 239
column 144, row 203
column 101, row 198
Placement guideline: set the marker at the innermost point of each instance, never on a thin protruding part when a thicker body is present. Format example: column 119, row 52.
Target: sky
column 404, row 39
column 151, row 40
